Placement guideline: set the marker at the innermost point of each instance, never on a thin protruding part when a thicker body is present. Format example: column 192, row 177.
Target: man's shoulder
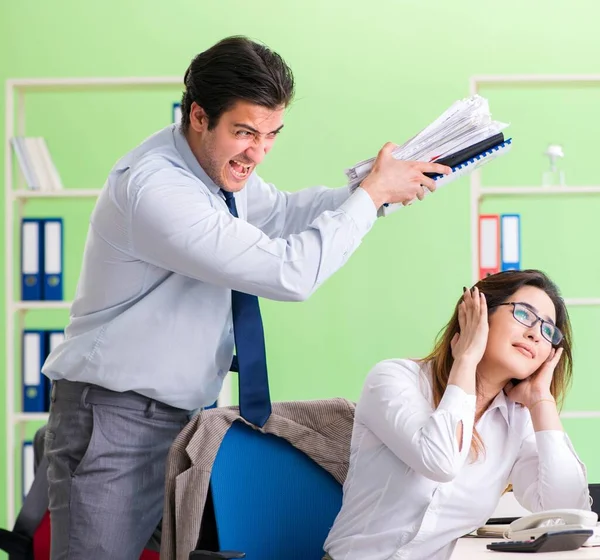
column 157, row 148
column 156, row 157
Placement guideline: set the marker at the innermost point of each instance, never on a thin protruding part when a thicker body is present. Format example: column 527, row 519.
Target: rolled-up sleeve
column 548, row 474
column 393, row 406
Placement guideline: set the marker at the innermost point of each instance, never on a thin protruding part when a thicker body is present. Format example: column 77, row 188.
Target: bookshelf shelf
column 65, row 193
column 73, row 84
column 23, row 417
column 485, row 192
column 582, row 302
column 41, row 305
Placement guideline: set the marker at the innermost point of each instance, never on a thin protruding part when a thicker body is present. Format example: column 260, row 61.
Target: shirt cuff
column 340, row 195
column 549, row 443
column 361, row 208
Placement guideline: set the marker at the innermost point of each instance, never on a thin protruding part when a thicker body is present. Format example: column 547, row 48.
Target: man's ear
column 198, row 118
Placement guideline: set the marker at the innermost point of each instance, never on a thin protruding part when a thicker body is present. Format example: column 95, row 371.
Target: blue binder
column 53, row 339
column 510, row 242
column 27, row 467
column 53, row 259
column 459, row 170
column 32, row 244
column 177, row 113
column 34, row 383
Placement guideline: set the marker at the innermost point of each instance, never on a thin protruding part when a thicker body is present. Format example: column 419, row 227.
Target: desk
column 469, row 548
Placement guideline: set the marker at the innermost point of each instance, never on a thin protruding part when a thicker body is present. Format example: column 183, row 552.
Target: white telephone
column 536, row 524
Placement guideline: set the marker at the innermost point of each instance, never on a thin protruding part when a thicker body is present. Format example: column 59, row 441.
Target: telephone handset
column 536, row 524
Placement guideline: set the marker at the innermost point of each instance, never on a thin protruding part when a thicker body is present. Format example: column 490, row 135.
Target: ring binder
column 489, row 245
column 32, row 250
column 458, row 171
column 510, row 245
column 33, row 382
column 52, row 285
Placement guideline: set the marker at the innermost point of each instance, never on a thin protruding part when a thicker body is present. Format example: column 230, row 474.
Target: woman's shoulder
column 402, row 371
column 398, row 364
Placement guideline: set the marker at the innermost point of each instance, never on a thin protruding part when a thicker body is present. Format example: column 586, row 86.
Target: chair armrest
column 18, row 546
column 223, row 555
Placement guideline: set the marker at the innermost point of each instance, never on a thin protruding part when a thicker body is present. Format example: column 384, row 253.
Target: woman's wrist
column 466, row 362
column 541, row 399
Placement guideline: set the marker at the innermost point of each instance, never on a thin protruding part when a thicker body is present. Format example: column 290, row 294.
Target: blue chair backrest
column 271, row 501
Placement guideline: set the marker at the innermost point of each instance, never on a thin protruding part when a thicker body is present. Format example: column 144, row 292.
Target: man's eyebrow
column 254, row 131
column 529, row 306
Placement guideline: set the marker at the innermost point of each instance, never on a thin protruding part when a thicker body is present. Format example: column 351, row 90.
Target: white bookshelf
column 16, row 198
column 479, row 192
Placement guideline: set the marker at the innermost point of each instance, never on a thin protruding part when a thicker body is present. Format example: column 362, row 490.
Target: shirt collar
column 501, row 402
column 190, row 160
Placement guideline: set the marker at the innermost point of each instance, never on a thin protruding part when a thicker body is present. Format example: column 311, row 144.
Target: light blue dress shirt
column 152, row 311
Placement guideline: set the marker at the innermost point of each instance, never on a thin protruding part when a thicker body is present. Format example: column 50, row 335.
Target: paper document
column 465, row 123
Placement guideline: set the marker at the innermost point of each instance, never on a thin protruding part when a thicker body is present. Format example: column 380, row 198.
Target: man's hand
column 394, row 181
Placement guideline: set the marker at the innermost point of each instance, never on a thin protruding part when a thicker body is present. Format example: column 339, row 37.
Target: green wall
column 366, row 73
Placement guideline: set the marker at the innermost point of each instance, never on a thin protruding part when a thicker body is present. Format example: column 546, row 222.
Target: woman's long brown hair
column 497, row 288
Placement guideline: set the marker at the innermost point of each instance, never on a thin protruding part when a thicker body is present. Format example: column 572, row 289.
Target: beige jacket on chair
column 321, row 429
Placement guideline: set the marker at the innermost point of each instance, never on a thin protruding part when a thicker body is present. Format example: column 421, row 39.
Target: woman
column 436, row 441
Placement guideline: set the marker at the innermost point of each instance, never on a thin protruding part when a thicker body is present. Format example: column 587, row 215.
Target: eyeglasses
column 527, row 317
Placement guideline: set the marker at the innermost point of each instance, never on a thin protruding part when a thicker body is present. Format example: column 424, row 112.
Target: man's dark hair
column 235, row 69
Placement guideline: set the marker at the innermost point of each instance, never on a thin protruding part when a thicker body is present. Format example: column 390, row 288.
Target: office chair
column 270, row 501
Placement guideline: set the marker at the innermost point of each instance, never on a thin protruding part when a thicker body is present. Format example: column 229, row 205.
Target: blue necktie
column 255, row 402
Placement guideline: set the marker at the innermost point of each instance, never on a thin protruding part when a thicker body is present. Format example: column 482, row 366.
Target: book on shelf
column 36, row 163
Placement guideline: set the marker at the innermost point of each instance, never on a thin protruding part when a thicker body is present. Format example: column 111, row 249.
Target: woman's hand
column 536, row 387
column 470, row 343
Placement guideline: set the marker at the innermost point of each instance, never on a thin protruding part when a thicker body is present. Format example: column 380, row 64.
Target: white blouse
column 410, row 492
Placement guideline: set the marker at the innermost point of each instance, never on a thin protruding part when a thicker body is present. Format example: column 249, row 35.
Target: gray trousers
column 107, row 454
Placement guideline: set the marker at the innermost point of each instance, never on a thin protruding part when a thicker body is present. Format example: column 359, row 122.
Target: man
column 151, row 334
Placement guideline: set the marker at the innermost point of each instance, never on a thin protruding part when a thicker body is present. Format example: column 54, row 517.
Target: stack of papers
column 463, row 137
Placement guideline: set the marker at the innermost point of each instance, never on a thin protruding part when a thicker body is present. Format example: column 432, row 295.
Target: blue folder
column 34, row 382
column 510, row 242
column 177, row 113
column 53, row 339
column 27, row 467
column 53, row 259
column 32, row 253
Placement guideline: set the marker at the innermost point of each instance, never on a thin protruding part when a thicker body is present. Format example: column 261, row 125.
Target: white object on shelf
column 554, row 177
